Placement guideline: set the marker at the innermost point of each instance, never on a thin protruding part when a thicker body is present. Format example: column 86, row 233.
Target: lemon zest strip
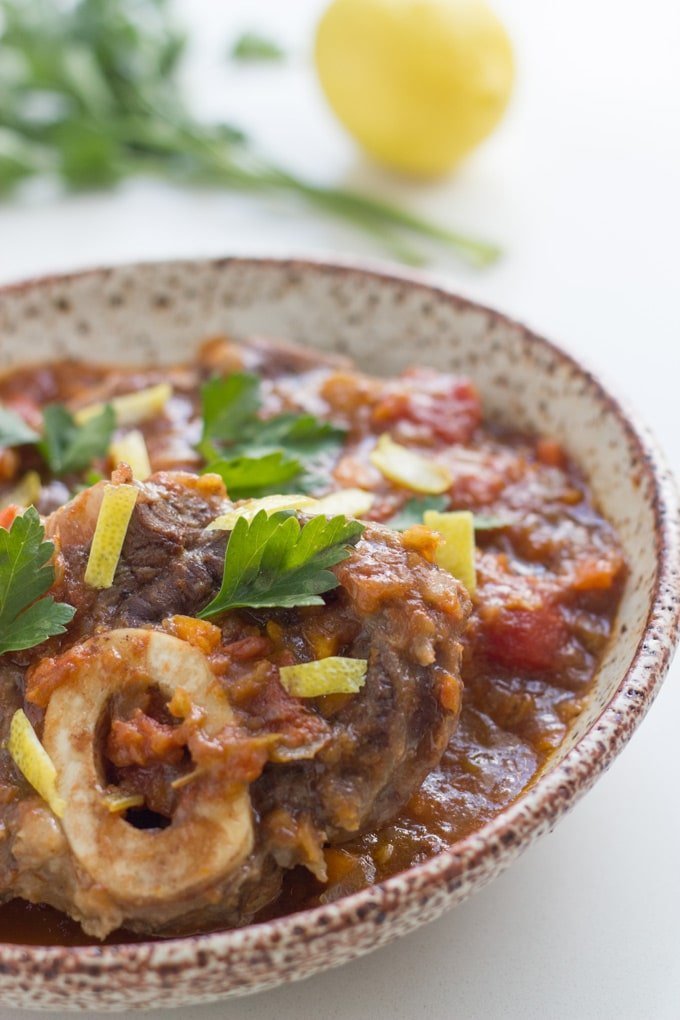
column 115, row 512
column 131, row 449
column 33, row 761
column 333, row 675
column 25, row 493
column 116, row 803
column 130, row 408
column 344, row 502
column 457, row 552
column 251, row 507
column 408, row 468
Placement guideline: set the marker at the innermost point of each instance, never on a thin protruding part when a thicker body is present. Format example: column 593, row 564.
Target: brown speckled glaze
column 385, row 321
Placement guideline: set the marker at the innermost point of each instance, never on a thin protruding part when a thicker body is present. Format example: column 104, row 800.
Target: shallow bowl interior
column 385, row 322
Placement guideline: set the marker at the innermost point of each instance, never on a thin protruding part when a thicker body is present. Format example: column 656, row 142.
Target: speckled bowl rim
column 549, row 797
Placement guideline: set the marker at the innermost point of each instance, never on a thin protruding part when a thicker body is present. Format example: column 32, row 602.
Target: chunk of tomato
column 448, row 406
column 525, row 639
column 8, row 515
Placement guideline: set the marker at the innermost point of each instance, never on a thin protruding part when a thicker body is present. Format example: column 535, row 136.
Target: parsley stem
column 350, row 203
column 381, row 219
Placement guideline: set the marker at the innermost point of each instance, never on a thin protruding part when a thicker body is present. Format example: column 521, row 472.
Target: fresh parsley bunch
column 90, row 92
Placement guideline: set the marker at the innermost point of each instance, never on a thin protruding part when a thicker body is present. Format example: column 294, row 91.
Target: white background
column 580, row 186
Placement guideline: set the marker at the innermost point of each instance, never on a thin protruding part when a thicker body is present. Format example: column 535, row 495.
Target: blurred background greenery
column 91, row 92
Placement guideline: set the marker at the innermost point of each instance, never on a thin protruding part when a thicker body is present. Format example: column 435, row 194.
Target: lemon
column 418, row 83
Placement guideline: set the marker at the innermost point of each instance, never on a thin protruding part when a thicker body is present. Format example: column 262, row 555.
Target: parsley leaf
column 26, row 619
column 273, row 561
column 67, row 446
column 412, row 511
column 13, row 429
column 228, row 405
column 252, row 46
column 300, row 434
column 254, row 477
column 240, row 447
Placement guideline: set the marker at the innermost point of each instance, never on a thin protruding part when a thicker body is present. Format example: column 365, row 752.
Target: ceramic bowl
column 385, row 321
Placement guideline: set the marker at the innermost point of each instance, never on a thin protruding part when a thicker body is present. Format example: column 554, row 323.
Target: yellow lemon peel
column 115, row 512
column 25, row 493
column 130, row 408
column 334, row 675
column 457, row 552
column 344, row 502
column 409, row 469
column 131, row 449
column 251, row 507
column 33, row 761
column 116, row 803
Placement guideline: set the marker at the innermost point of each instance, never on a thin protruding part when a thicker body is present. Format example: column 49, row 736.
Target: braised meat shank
column 278, row 777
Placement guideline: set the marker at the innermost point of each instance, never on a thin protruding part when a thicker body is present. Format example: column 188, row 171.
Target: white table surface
column 580, row 185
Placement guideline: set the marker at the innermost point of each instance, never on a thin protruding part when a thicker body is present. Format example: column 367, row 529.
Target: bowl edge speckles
column 384, row 319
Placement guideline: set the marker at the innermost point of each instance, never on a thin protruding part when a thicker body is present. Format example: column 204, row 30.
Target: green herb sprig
column 256, row 456
column 65, row 446
column 273, row 561
column 254, row 477
column 90, row 93
column 413, row 510
column 68, row 447
column 27, row 619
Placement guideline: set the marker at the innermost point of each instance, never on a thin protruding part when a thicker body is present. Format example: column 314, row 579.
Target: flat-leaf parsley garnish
column 413, row 509
column 70, row 447
column 254, row 477
column 274, row 561
column 256, row 456
column 26, row 574
column 228, row 405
